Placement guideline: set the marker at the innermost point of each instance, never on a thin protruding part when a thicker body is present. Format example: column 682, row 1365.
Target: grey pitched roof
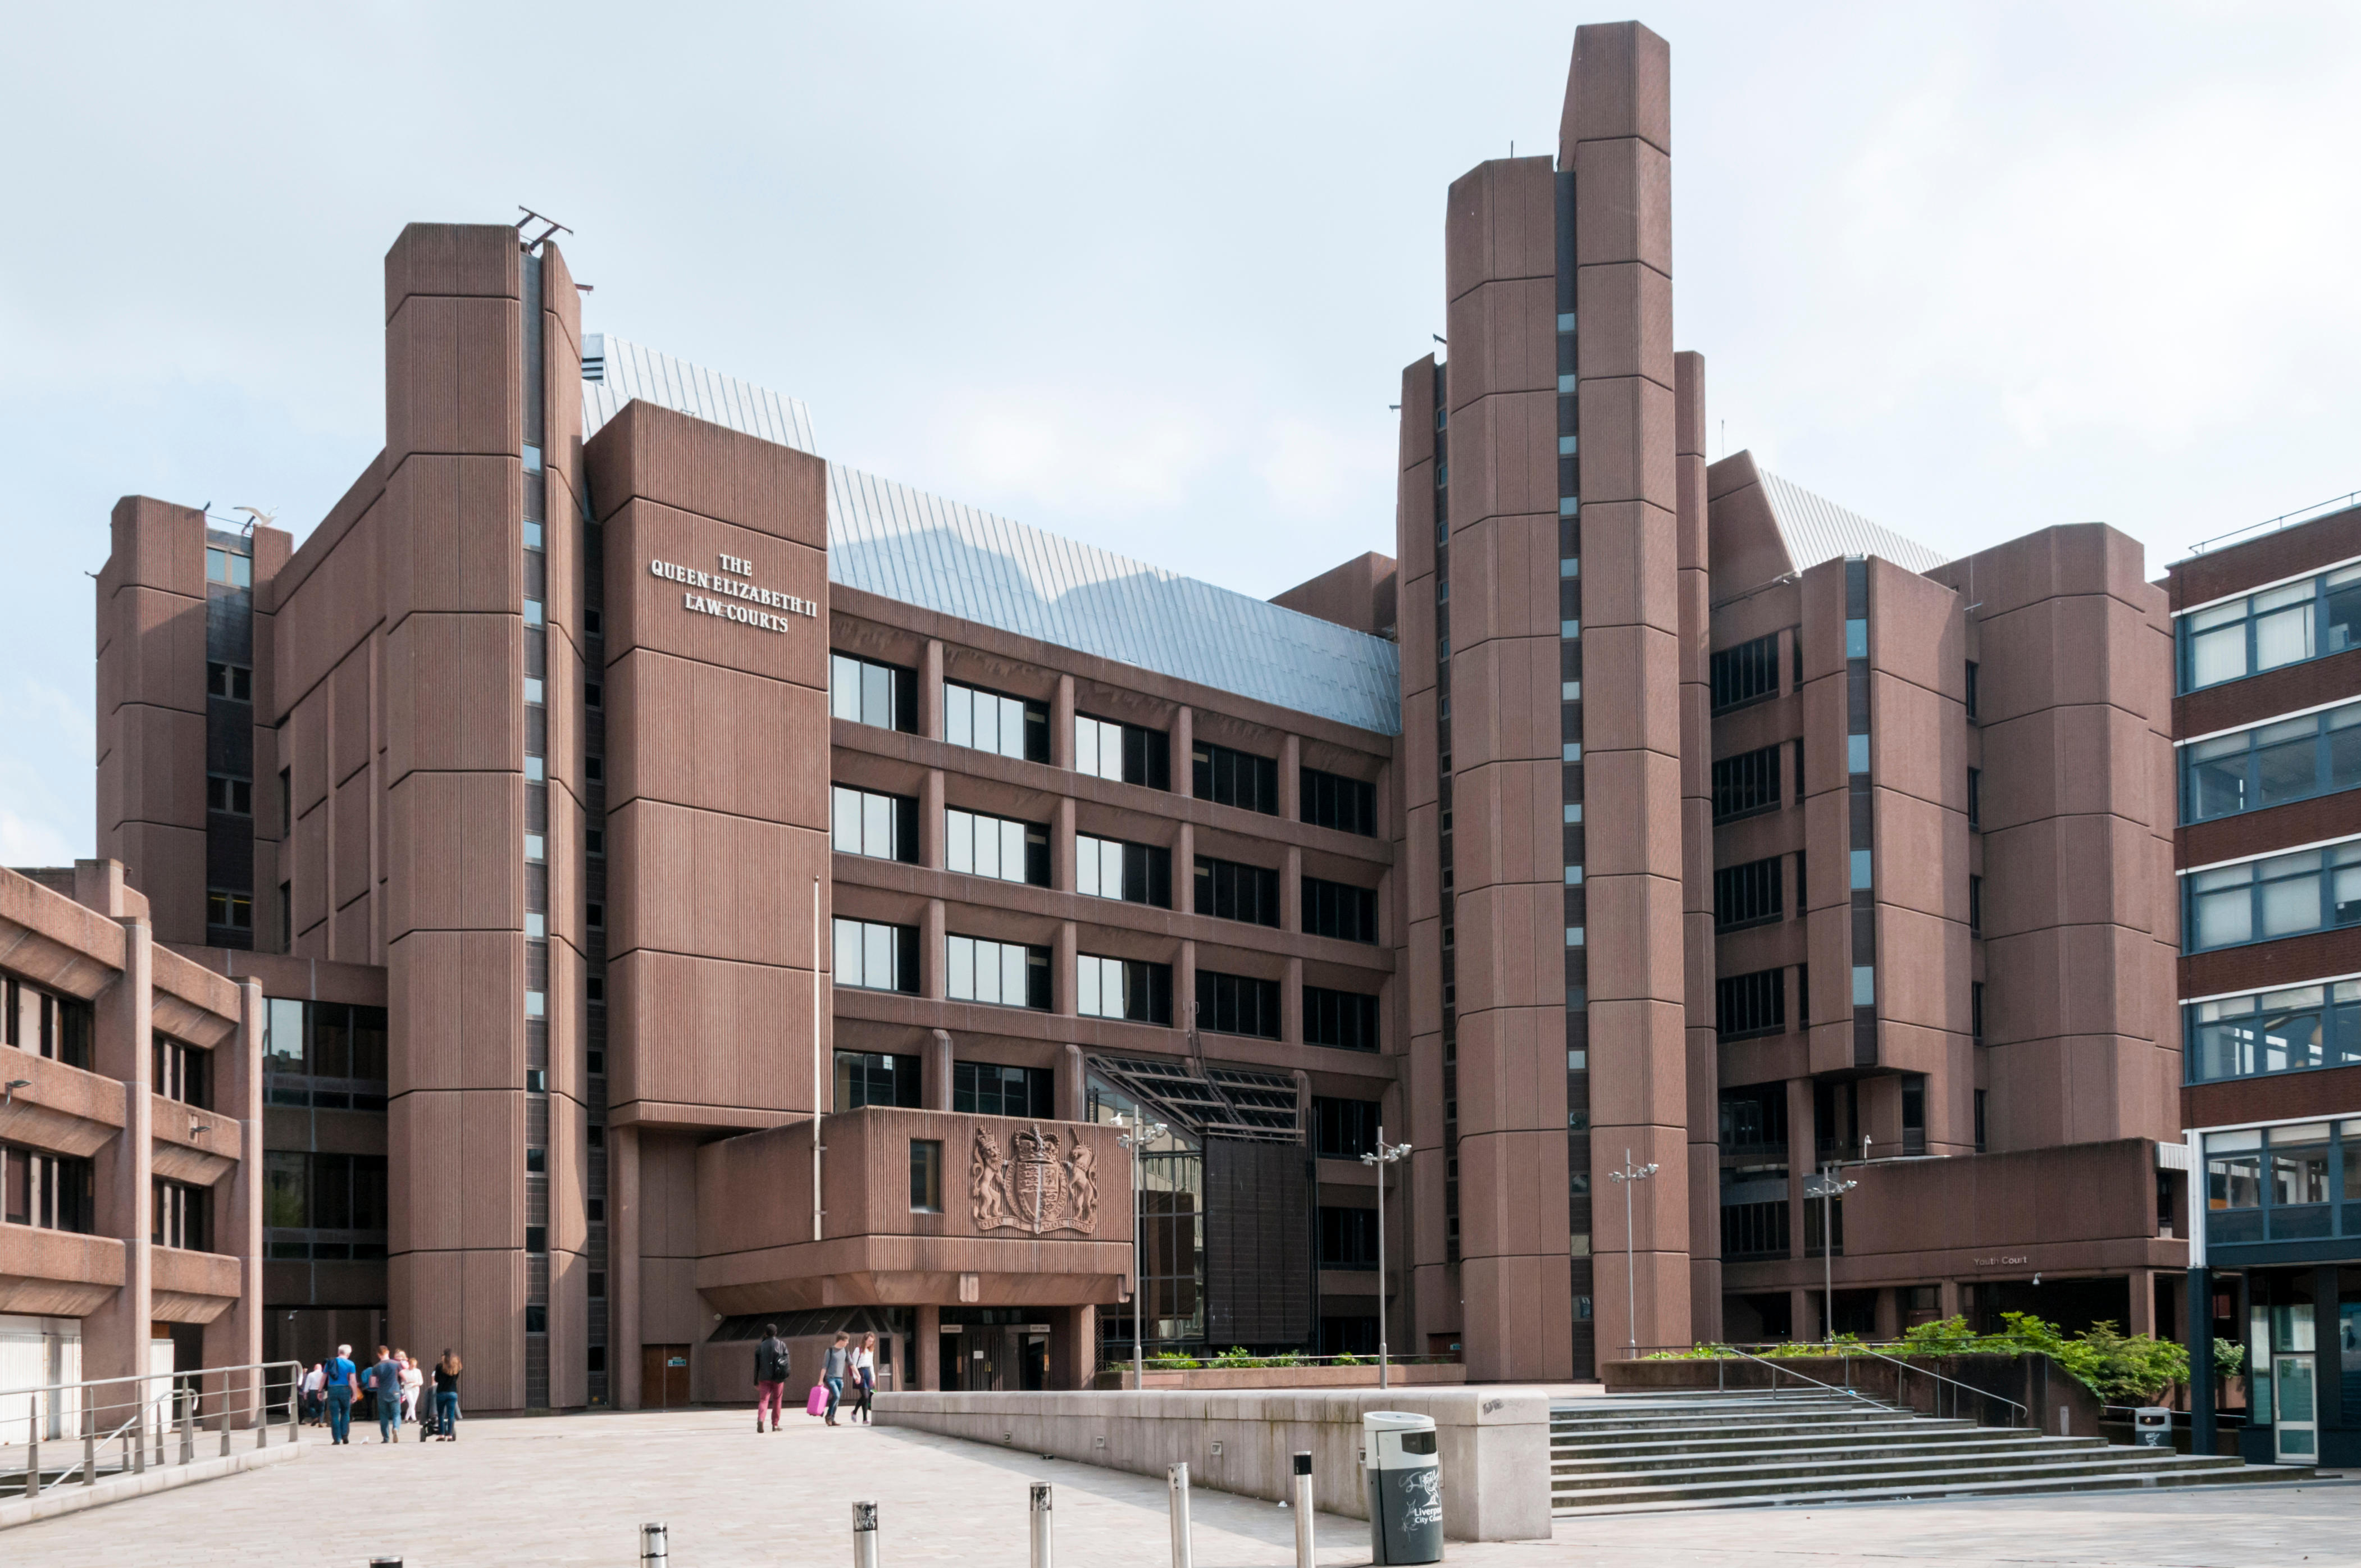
column 905, row 544
column 1815, row 530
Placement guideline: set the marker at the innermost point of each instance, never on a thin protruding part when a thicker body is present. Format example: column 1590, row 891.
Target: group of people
column 849, row 1365
column 396, row 1385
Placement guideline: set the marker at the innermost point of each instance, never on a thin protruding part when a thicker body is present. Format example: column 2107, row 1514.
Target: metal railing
column 141, row 1411
column 1849, row 1389
column 1841, row 1350
column 1934, row 1403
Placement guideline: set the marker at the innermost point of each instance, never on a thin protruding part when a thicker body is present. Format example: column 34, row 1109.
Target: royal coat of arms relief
column 1046, row 1181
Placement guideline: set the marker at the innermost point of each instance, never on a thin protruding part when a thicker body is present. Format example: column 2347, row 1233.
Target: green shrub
column 2229, row 1358
column 1236, row 1356
column 1347, row 1358
column 1173, row 1361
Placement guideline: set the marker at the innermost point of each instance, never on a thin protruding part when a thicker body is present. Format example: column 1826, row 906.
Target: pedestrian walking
column 384, row 1384
column 413, row 1379
column 315, row 1395
column 344, row 1382
column 839, row 1362
column 772, row 1366
column 446, row 1397
column 865, row 1377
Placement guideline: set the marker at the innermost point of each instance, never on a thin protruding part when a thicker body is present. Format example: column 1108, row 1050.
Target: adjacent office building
column 611, row 796
column 2268, row 704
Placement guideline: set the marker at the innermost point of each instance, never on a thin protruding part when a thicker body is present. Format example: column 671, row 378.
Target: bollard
column 1175, row 1480
column 1044, row 1547
column 135, row 1448
column 89, row 1454
column 385, row 1563
column 652, row 1543
column 33, row 1462
column 187, row 1432
column 1304, row 1510
column 864, row 1535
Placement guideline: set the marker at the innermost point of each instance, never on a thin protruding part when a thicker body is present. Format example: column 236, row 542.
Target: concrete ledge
column 1493, row 1441
column 1270, row 1377
column 72, row 1496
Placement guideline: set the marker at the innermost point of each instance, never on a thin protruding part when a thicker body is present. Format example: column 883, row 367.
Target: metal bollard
column 1176, row 1481
column 864, row 1534
column 135, row 1448
column 385, row 1563
column 33, row 1462
column 1304, row 1510
column 89, row 1454
column 1044, row 1547
column 187, row 1432
column 654, row 1547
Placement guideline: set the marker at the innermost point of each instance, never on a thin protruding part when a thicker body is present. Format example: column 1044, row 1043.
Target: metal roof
column 905, row 544
column 1815, row 530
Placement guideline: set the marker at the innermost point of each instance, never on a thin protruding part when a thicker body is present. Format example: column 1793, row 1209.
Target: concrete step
column 1926, row 1490
column 1702, row 1439
column 2030, row 1445
column 1732, row 1421
column 1825, row 1468
column 1765, row 1431
column 1773, row 1484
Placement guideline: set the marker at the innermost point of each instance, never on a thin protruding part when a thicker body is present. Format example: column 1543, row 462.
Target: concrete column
column 931, row 960
column 1061, row 845
column 1184, row 989
column 623, row 1266
column 115, row 1337
column 1291, row 778
column 235, row 1337
column 937, row 1076
column 1290, row 1004
column 1799, row 1162
column 1184, row 868
column 1074, row 1090
column 927, row 1357
column 1889, row 1312
column 930, row 690
column 930, row 819
column 1184, row 737
column 1061, row 724
column 1062, row 948
column 2143, row 1302
column 1947, row 1299
column 1290, row 889
column 1804, row 1313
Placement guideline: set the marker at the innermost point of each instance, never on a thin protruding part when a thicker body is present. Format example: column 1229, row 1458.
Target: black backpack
column 775, row 1359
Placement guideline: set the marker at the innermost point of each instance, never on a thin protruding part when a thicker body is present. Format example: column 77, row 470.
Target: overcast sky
column 1146, row 276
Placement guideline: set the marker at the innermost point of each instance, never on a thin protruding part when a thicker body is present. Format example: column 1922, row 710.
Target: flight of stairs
column 1632, row 1452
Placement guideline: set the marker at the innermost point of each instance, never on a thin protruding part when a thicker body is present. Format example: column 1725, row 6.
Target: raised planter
column 1421, row 1375
column 2058, row 1401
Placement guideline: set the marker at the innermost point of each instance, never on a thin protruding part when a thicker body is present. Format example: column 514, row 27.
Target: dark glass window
column 996, row 722
column 51, row 1192
column 1129, row 989
column 1112, row 868
column 1971, row 688
column 1755, row 1230
column 876, row 956
column 1750, row 1004
column 1976, row 799
column 1237, row 1004
column 181, row 1072
column 31, row 1019
column 882, row 827
column 1234, row 778
column 180, row 1215
column 1976, row 903
column 867, row 692
column 1348, row 1237
column 1748, row 894
column 870, row 1078
column 235, row 682
column 1340, row 910
column 1230, row 891
column 1343, row 1129
column 233, row 795
column 1346, row 1019
column 1004, row 974
column 1125, row 753
column 1748, row 673
column 1755, row 1118
column 998, row 847
column 1331, row 800
column 926, row 1176
column 991, row 1088
column 1746, row 784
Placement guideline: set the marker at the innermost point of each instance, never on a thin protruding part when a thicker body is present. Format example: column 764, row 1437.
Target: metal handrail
column 155, row 1390
column 2022, row 1412
column 1777, row 1370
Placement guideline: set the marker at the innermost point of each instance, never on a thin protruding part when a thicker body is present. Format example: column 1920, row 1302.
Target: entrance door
column 2297, row 1428
column 1033, row 1364
column 663, row 1376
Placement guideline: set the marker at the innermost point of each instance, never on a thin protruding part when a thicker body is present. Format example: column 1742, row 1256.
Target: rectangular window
column 926, row 1176
column 233, row 795
column 1230, row 891
column 235, row 682
column 229, row 911
column 1129, row 989
column 1237, row 1004
column 1348, row 1237
column 1343, row 1129
column 992, row 1089
column 1982, row 1142
column 1755, row 1230
column 2284, row 625
column 996, row 847
column 1331, row 800
column 1976, row 905
column 1747, row 1005
column 1748, row 894
column 1340, row 910
column 875, row 956
column 50, row 1192
column 2290, row 1030
column 1971, row 688
column 2285, row 895
column 1006, row 974
column 1124, row 753
column 1976, row 1010
column 1234, row 778
column 180, row 1215
column 1115, row 868
column 1754, row 1121
column 2271, row 765
column 181, row 1072
column 867, row 692
column 1344, row 1019
column 1748, row 673
column 882, row 826
column 1975, row 800
column 1746, row 784
column 871, row 1077
column 1864, row 986
column 995, row 722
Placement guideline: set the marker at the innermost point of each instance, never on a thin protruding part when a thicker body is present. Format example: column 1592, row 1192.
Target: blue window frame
column 2295, row 1030
column 2284, row 625
column 2260, row 901
column 2283, row 1184
column 2271, row 765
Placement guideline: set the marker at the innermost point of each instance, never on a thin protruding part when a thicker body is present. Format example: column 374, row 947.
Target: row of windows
column 43, row 1025
column 1227, row 890
column 1746, row 784
column 1124, row 753
column 181, row 1072
column 2284, row 625
column 1006, row 974
column 1748, row 895
column 180, row 1215
column 235, row 682
column 1748, row 673
column 52, row 1192
column 2285, row 895
column 2283, row 1183
column 323, row 1191
column 1115, row 868
column 993, row 721
column 2290, row 1030
column 1753, row 1003
column 324, row 1040
column 2271, row 765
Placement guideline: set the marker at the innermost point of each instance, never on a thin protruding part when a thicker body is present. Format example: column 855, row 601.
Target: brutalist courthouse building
column 610, row 781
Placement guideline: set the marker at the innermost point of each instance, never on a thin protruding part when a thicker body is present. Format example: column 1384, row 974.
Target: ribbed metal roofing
column 631, row 371
column 1815, row 530
column 905, row 544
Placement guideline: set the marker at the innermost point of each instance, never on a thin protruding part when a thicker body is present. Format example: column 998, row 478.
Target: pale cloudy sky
column 1148, row 275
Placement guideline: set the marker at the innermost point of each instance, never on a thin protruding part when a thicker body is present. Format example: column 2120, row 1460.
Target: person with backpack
column 772, row 1366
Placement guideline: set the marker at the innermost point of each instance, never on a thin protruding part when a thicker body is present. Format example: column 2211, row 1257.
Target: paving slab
column 575, row 1489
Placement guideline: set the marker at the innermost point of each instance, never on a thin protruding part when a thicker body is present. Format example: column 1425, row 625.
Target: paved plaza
column 574, row 1490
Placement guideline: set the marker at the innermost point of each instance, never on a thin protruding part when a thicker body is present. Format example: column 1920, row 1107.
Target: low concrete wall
column 1493, row 1442
column 1364, row 1376
column 71, row 1496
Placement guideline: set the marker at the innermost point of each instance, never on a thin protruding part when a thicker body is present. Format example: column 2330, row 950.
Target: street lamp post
column 1141, row 1132
column 1377, row 1159
column 1827, row 1189
column 1630, row 1174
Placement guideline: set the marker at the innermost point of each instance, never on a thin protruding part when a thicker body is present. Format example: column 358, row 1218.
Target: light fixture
column 15, row 1084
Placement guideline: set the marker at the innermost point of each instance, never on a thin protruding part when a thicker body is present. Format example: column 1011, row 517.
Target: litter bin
column 1405, row 1477
column 2152, row 1427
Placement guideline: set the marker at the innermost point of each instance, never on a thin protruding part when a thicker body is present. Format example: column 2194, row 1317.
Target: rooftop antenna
column 537, row 241
column 1440, row 338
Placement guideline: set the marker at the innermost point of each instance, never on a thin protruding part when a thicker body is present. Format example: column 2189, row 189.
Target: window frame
column 2324, row 589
